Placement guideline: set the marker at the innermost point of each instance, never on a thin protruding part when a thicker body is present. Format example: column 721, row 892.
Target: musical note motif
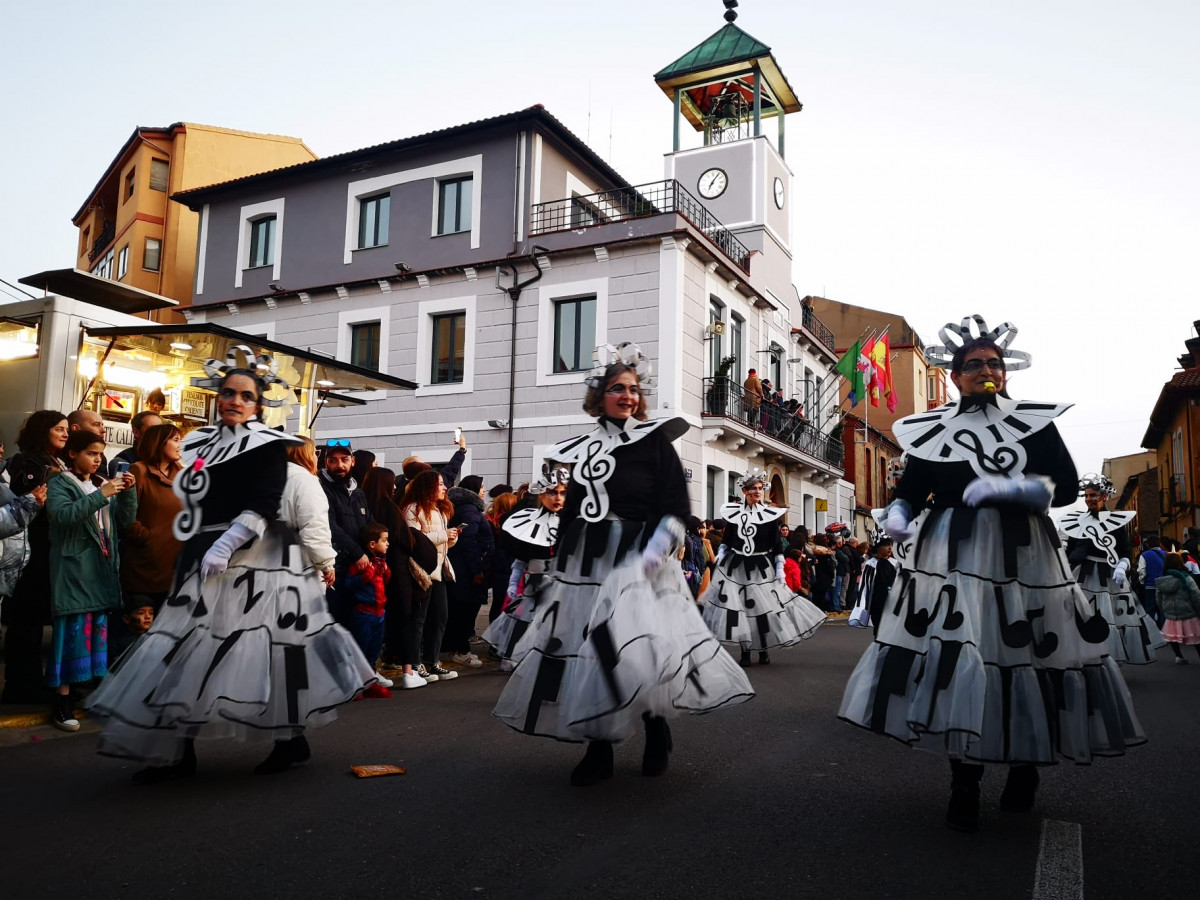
column 1005, row 459
column 1103, row 541
column 252, row 598
column 191, row 486
column 593, row 472
column 297, row 619
column 1021, row 632
column 954, row 619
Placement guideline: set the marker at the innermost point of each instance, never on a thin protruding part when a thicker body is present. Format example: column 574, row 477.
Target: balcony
column 725, row 399
column 103, row 239
column 643, row 201
column 817, row 328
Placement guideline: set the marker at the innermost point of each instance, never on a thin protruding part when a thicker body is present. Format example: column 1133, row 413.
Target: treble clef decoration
column 1001, row 462
column 594, row 470
column 746, row 531
column 191, row 486
column 1103, row 541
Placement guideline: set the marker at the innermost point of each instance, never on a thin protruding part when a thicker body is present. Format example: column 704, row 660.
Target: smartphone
column 457, row 435
column 119, row 467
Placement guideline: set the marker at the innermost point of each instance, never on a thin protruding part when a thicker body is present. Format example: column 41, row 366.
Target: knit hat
column 471, row 483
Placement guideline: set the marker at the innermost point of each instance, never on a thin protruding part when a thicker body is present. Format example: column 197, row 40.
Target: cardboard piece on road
column 376, row 771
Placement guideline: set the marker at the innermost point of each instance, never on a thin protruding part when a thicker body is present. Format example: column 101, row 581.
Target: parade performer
column 529, row 534
column 616, row 640
column 988, row 650
column 748, row 600
column 244, row 646
column 1098, row 550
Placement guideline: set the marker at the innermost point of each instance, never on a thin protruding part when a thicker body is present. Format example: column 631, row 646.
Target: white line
column 1059, row 874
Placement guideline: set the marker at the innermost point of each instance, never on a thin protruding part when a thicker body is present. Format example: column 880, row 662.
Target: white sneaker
column 411, row 680
column 470, row 660
column 436, row 671
column 384, row 682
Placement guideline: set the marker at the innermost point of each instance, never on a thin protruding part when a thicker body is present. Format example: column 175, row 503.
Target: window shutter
column 159, row 170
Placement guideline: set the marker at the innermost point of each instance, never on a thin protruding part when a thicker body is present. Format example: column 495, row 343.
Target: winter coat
column 84, row 567
column 436, row 529
column 472, row 555
column 348, row 516
column 15, row 515
column 149, row 548
column 29, row 602
column 305, row 506
column 1177, row 595
column 793, row 575
column 367, row 586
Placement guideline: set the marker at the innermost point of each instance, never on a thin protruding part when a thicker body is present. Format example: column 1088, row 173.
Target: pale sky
column 1036, row 162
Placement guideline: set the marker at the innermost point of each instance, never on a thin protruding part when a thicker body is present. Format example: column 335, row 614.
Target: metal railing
column 726, row 398
column 818, row 328
column 103, row 239
column 623, row 204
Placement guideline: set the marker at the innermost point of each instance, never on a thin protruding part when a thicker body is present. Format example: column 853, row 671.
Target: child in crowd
column 85, row 515
column 793, row 574
column 365, row 586
column 1179, row 600
column 136, row 620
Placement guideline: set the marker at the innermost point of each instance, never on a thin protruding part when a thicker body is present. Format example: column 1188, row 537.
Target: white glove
column 779, row 569
column 1034, row 493
column 216, row 560
column 720, row 554
column 1120, row 575
column 666, row 538
column 898, row 522
column 514, row 580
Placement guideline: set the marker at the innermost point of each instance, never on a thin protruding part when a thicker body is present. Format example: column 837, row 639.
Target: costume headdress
column 626, row 353
column 955, row 336
column 1093, row 482
column 277, row 392
column 552, row 476
column 754, row 475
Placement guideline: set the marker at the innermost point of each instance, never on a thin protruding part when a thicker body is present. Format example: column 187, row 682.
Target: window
column 574, row 333
column 262, row 242
column 454, row 205
column 122, row 262
column 584, row 213
column 151, row 257
column 159, row 169
column 737, row 346
column 776, row 366
column 817, row 416
column 129, row 183
column 710, row 494
column 732, row 493
column 364, row 345
column 104, row 268
column 373, row 215
column 716, row 343
column 449, row 340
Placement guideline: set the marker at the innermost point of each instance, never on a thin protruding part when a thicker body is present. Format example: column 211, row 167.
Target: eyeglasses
column 618, row 390
column 340, row 442
column 975, row 366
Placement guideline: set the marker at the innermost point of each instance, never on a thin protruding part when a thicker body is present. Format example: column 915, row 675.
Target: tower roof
column 727, row 46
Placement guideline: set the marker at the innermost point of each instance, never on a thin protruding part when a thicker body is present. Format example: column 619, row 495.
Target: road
column 774, row 798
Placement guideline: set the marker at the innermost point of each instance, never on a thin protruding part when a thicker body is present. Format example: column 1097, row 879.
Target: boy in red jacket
column 365, row 586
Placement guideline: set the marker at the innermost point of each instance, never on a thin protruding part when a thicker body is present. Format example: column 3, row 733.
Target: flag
column 881, row 356
column 870, row 371
column 848, row 368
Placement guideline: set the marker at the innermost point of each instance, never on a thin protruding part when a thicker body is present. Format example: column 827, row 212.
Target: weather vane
column 730, row 14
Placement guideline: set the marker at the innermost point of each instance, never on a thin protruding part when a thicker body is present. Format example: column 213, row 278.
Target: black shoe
column 62, row 713
column 1020, row 789
column 744, row 661
column 658, row 745
column 284, row 755
column 764, row 658
column 185, row 768
column 963, row 812
column 596, row 765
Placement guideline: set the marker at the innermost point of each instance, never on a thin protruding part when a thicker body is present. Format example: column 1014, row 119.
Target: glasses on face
column 230, row 394
column 341, row 442
column 975, row 366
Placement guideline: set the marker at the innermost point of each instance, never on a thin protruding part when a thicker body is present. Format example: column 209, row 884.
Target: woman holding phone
column 426, row 509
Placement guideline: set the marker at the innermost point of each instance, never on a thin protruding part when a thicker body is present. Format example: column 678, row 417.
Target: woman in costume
column 616, row 640
column 244, row 646
column 988, row 650
column 528, row 535
column 748, row 601
column 1098, row 550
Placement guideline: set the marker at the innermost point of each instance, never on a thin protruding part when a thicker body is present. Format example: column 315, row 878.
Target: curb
column 32, row 719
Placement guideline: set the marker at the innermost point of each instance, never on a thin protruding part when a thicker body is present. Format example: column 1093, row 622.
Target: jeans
column 836, row 597
column 434, row 624
column 367, row 629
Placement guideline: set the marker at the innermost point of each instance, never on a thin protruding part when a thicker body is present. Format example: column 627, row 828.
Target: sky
column 1034, row 162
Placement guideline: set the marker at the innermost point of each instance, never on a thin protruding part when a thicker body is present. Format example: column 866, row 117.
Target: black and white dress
column 988, row 650
column 1096, row 544
column 607, row 643
column 744, row 603
column 529, row 535
column 249, row 654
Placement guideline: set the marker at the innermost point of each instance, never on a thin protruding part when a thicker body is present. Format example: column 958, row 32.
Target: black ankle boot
column 764, row 658
column 962, row 814
column 658, row 745
column 744, row 661
column 596, row 765
column 284, row 755
column 185, row 768
column 1020, row 789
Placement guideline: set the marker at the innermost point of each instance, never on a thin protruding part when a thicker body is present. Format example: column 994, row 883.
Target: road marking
column 1059, row 874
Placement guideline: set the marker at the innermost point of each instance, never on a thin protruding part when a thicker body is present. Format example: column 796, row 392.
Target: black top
column 348, row 516
column 1079, row 549
column 766, row 539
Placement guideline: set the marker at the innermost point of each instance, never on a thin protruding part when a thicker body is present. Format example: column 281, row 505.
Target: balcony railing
column 103, row 239
column 623, row 204
column 818, row 328
column 725, row 398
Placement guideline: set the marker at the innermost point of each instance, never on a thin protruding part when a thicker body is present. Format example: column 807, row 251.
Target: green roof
column 729, row 45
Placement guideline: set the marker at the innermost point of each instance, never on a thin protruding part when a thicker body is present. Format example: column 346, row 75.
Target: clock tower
column 726, row 87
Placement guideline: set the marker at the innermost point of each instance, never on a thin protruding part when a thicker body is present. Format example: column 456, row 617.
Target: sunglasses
column 341, row 442
column 975, row 366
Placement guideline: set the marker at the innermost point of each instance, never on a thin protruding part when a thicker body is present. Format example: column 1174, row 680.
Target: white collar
column 747, row 519
column 1098, row 529
column 216, row 444
column 534, row 525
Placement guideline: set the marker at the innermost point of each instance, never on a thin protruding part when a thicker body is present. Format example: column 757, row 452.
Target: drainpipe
column 514, row 293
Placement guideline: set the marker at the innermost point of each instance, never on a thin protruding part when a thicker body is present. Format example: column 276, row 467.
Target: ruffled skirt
column 989, row 651
column 1182, row 631
column 506, row 631
column 744, row 604
column 1133, row 635
column 250, row 654
column 608, row 644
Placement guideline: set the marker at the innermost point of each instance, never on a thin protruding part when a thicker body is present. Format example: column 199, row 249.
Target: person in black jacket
column 471, row 558
column 412, row 466
column 348, row 515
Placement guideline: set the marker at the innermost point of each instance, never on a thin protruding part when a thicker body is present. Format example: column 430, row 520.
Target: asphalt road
column 774, row 798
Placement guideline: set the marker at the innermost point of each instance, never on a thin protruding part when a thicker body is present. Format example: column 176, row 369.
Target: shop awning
column 192, row 345
column 96, row 290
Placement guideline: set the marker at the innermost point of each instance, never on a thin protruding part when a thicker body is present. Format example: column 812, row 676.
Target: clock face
column 712, row 184
column 779, row 193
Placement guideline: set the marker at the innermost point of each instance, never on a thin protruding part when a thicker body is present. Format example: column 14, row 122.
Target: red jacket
column 366, row 584
column 793, row 575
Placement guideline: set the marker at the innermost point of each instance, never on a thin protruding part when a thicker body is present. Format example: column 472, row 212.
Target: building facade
column 128, row 229
column 1174, row 435
column 870, row 454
